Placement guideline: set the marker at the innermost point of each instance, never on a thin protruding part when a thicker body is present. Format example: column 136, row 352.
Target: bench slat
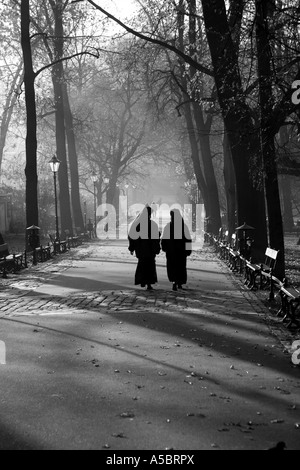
column 254, row 267
column 291, row 292
column 9, row 261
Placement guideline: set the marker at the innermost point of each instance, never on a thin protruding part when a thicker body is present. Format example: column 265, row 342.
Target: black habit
column 144, row 240
column 177, row 247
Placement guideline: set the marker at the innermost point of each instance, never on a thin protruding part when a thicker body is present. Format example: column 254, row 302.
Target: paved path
column 94, row 363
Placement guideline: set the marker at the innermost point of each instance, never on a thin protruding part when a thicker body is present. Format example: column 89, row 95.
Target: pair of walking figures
column 146, row 242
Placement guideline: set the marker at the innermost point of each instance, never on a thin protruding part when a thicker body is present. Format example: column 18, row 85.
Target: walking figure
column 144, row 240
column 154, row 208
column 177, row 244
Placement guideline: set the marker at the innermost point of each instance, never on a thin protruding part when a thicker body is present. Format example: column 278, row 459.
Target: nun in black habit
column 177, row 244
column 144, row 241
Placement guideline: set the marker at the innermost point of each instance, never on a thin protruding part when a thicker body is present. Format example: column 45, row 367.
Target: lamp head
column 54, row 164
column 94, row 177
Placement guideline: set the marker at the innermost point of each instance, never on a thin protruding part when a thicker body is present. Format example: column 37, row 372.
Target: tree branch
column 63, row 59
column 164, row 44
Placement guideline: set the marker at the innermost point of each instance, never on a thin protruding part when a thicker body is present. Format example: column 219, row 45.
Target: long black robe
column 177, row 250
column 146, row 245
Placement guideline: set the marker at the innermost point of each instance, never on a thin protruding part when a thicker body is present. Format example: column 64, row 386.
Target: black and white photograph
column 150, row 228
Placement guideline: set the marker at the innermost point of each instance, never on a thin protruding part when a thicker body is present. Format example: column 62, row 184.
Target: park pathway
column 94, row 363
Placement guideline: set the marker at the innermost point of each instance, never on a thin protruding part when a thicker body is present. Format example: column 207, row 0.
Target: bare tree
column 10, row 102
column 31, row 138
column 264, row 13
column 116, row 134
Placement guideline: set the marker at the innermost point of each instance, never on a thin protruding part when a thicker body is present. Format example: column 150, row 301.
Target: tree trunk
column 195, row 152
column 31, row 136
column 230, row 186
column 267, row 136
column 203, row 128
column 73, row 161
column 111, row 190
column 208, row 169
column 250, row 200
column 58, row 78
column 288, row 218
column 196, row 162
column 286, row 190
column 238, row 121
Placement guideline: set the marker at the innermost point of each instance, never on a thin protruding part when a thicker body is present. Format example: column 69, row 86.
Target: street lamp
column 94, row 180
column 54, row 165
column 106, row 182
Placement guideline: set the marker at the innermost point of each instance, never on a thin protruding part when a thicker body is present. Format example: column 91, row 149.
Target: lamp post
column 94, row 180
column 106, row 182
column 54, row 165
column 84, row 205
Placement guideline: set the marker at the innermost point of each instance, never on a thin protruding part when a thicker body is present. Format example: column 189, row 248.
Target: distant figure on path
column 177, row 244
column 144, row 240
column 154, row 208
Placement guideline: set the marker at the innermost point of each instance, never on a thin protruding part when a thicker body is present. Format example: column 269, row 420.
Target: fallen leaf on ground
column 127, row 415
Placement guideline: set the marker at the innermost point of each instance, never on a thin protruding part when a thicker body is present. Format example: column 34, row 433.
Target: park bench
column 215, row 239
column 82, row 236
column 41, row 254
column 267, row 277
column 234, row 255
column 59, row 246
column 212, row 239
column 72, row 241
column 264, row 271
column 207, row 237
column 223, row 245
column 11, row 262
column 290, row 303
